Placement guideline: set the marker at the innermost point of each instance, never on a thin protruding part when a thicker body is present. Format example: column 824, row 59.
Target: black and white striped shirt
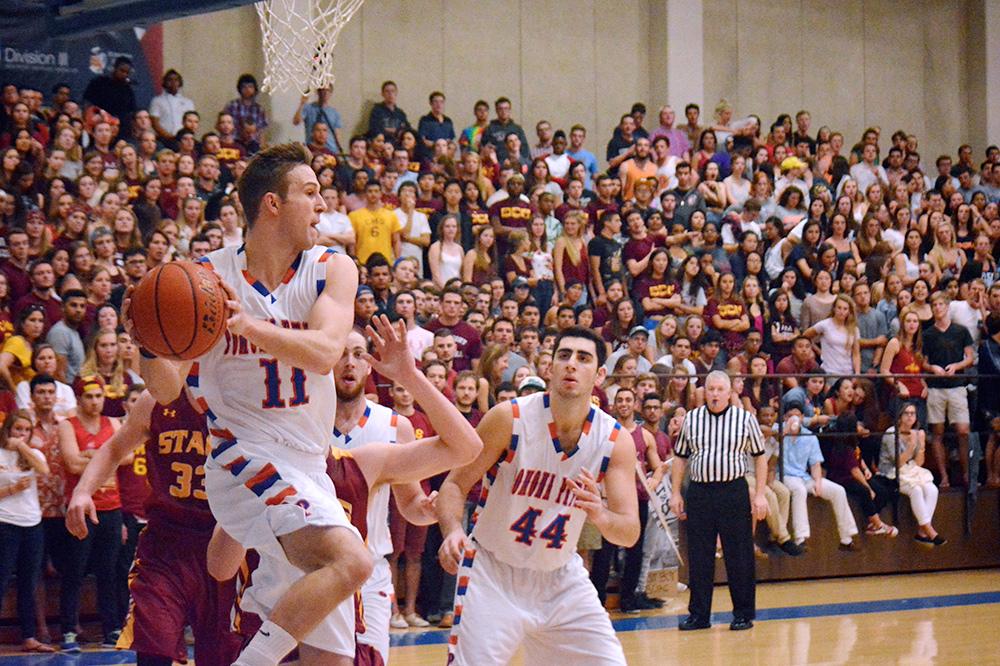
column 717, row 444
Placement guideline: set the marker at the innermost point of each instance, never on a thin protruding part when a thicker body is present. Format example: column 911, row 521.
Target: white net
column 298, row 39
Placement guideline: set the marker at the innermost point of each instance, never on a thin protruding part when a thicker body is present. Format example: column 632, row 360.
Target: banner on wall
column 44, row 63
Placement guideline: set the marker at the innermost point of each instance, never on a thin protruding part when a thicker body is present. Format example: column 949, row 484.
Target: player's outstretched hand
column 588, row 495
column 452, row 551
column 392, row 357
column 80, row 508
column 238, row 321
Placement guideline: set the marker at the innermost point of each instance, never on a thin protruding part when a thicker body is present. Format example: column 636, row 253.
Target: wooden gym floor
column 941, row 618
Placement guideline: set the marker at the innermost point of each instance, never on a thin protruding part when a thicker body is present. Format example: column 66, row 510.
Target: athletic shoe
column 111, row 639
column 398, row 622
column 791, row 548
column 924, row 540
column 883, row 530
column 652, row 603
column 639, row 602
column 69, row 642
column 939, row 540
column 849, row 547
column 630, row 605
column 415, row 620
column 681, row 587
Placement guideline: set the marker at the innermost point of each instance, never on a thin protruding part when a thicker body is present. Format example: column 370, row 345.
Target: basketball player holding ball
column 520, row 581
column 267, row 389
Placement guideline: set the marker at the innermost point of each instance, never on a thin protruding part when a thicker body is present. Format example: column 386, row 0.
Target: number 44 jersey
column 248, row 394
column 526, row 515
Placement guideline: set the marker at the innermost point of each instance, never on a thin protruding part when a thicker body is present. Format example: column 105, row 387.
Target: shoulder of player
column 140, row 415
column 497, row 426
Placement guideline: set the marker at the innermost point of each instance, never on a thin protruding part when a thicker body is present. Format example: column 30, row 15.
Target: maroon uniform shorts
column 407, row 538
column 171, row 588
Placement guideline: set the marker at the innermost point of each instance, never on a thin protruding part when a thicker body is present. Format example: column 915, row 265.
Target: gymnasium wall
column 915, row 64
column 898, row 64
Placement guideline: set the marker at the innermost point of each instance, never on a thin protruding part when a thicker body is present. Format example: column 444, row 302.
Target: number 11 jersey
column 249, row 395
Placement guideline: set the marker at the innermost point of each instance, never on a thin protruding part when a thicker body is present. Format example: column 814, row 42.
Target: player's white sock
column 268, row 647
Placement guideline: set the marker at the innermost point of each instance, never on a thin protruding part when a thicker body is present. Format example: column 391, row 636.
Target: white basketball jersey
column 247, row 393
column 526, row 516
column 377, row 424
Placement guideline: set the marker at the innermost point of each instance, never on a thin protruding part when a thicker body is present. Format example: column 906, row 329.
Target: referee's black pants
column 721, row 509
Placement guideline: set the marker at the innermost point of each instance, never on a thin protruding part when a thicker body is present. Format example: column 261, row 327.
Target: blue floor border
column 646, row 623
column 786, row 613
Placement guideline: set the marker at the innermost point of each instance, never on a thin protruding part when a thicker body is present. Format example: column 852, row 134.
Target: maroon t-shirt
column 18, row 280
column 467, row 340
column 512, row 212
column 52, row 307
column 732, row 340
column 230, row 153
column 429, row 206
column 647, row 287
column 596, row 210
column 637, row 248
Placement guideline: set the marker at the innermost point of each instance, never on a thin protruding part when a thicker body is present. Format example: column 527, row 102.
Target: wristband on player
column 146, row 354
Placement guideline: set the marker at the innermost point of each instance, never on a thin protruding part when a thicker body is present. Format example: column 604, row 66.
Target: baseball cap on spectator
column 793, row 162
column 638, row 330
column 364, row 289
column 531, row 381
column 86, row 383
column 520, row 282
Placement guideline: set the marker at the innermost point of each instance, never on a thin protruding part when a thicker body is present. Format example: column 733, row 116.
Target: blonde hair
column 572, row 250
column 115, row 386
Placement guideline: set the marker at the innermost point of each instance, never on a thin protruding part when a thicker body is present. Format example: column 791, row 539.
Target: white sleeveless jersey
column 525, row 516
column 377, row 424
column 248, row 394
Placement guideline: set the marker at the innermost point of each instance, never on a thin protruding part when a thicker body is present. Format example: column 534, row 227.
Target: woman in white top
column 445, row 255
column 21, row 532
column 45, row 362
column 915, row 481
column 666, row 166
column 907, row 262
column 415, row 231
column 737, row 186
column 838, row 338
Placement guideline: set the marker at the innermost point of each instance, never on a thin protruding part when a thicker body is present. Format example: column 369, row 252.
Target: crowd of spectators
column 850, row 288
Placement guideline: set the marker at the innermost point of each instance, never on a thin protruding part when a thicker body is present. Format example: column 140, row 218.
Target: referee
column 714, row 442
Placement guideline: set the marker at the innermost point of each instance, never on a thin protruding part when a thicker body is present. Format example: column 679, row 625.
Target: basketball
column 179, row 310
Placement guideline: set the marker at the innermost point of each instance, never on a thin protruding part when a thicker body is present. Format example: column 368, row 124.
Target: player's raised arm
column 104, row 463
column 330, row 320
column 618, row 519
column 495, row 430
column 456, row 445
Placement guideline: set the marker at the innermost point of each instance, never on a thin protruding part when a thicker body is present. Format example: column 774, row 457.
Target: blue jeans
column 21, row 554
column 544, row 289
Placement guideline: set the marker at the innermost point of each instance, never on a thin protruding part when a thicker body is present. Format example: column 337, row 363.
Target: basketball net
column 298, row 39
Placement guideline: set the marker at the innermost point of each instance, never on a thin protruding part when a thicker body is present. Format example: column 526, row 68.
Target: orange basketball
column 178, row 310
